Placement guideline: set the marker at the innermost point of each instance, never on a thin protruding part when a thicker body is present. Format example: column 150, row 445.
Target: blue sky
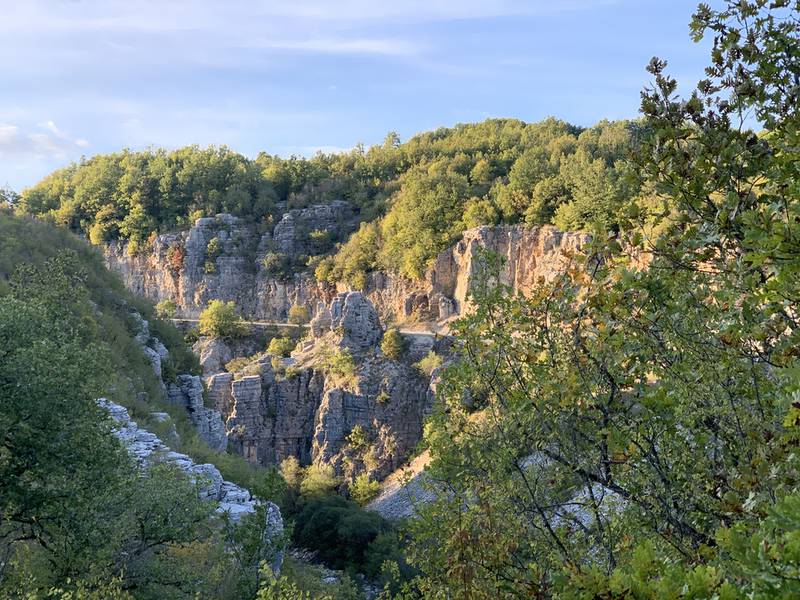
column 81, row 77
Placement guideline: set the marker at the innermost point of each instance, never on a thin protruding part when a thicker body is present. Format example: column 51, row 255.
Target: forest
column 498, row 171
column 629, row 430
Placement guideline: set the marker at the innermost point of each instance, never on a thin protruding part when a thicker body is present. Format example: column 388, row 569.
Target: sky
column 82, row 77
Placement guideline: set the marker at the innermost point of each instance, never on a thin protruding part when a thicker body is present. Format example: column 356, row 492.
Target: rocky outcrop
column 187, row 268
column 356, row 320
column 177, row 266
column 187, row 391
column 304, row 410
column 312, row 230
column 147, row 449
column 531, row 255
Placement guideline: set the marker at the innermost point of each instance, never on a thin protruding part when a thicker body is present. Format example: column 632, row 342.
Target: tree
column 634, row 415
column 166, row 309
column 298, row 314
column 363, row 490
column 393, row 344
column 281, row 346
column 221, row 319
column 318, row 480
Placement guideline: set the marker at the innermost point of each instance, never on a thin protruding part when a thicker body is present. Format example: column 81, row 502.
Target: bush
column 430, row 363
column 363, row 490
column 236, row 365
column 166, row 309
column 298, row 314
column 281, row 346
column 393, row 344
column 318, row 480
column 357, row 438
column 220, row 319
column 339, row 530
column 277, row 264
column 320, row 241
column 341, row 366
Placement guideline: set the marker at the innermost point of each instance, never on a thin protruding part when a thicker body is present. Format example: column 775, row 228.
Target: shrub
column 383, row 397
column 213, row 252
column 318, row 480
column 393, row 344
column 341, row 366
column 363, row 490
column 281, row 346
column 298, row 314
column 339, row 530
column 320, row 241
column 220, row 319
column 236, row 365
column 430, row 363
column 357, row 439
column 277, row 264
column 166, row 309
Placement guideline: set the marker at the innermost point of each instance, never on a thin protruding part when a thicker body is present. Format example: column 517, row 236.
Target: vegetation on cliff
column 415, row 198
column 77, row 517
column 632, row 432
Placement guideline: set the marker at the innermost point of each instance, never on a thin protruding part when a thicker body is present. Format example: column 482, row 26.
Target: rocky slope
column 306, row 407
column 147, row 449
column 183, row 267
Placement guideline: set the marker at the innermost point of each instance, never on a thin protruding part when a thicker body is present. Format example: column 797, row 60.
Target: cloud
column 49, row 142
column 384, row 46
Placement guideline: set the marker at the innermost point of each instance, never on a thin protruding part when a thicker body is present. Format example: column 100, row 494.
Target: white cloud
column 51, row 142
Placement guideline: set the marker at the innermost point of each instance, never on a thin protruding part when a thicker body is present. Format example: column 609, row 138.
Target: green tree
column 634, row 414
column 363, row 490
column 221, row 319
column 281, row 346
column 393, row 344
column 298, row 314
column 318, row 480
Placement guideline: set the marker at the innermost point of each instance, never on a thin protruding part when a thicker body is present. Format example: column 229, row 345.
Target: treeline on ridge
column 413, row 198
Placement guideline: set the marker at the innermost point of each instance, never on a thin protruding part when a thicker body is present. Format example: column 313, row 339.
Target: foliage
column 298, row 314
column 340, row 365
column 393, row 344
column 413, row 198
column 429, row 363
column 237, row 364
column 281, row 346
column 630, row 426
column 338, row 530
column 166, row 309
column 220, row 320
column 363, row 490
column 318, row 481
column 278, row 264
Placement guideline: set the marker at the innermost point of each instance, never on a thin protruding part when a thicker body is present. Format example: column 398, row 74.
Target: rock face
column 187, row 391
column 183, row 268
column 309, row 413
column 147, row 449
column 311, row 230
column 357, row 320
column 175, row 266
column 531, row 255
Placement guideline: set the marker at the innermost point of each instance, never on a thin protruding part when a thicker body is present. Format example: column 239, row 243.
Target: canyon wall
column 304, row 406
column 181, row 268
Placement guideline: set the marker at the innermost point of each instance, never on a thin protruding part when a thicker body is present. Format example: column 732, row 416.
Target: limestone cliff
column 223, row 258
column 304, row 407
